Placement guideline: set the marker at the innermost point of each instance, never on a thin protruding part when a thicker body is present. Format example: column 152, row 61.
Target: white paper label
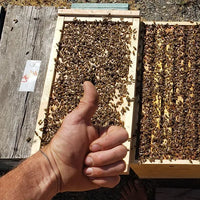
column 30, row 76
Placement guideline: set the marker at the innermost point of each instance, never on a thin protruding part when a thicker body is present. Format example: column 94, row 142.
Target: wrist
column 52, row 167
column 45, row 177
column 32, row 179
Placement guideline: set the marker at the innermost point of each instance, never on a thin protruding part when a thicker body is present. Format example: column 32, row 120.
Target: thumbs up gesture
column 82, row 157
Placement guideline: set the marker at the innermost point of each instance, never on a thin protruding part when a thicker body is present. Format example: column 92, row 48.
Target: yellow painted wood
column 172, row 170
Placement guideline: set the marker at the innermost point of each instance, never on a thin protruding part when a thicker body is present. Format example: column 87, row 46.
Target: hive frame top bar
column 92, row 19
column 100, row 13
column 170, row 23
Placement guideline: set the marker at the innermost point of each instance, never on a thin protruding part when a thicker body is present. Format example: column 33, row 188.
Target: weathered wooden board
column 2, row 16
column 99, row 13
column 47, row 85
column 27, row 35
column 128, row 118
column 166, row 169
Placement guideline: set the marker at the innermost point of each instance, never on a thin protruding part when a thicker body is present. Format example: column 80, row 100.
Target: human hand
column 76, row 138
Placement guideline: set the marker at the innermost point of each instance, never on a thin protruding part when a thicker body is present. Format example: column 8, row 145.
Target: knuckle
column 122, row 166
column 123, row 151
column 98, row 158
column 119, row 152
column 98, row 172
column 124, row 133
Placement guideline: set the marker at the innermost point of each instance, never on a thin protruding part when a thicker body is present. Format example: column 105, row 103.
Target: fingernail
column 89, row 171
column 95, row 147
column 89, row 161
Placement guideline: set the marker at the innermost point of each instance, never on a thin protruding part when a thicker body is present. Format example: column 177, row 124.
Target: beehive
column 169, row 142
column 101, row 49
column 164, row 89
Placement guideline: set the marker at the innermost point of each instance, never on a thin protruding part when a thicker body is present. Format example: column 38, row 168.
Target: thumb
column 87, row 106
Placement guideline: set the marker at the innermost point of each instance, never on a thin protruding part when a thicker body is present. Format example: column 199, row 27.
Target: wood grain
column 178, row 169
column 100, row 13
column 47, row 85
column 30, row 38
column 129, row 115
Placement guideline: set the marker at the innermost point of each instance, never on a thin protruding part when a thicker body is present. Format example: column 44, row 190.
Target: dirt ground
column 156, row 10
column 159, row 10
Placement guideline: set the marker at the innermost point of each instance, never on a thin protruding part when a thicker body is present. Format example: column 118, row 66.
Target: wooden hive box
column 180, row 168
column 65, row 16
column 174, row 167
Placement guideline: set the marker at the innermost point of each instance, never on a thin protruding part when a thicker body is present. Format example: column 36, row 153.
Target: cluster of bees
column 170, row 121
column 99, row 52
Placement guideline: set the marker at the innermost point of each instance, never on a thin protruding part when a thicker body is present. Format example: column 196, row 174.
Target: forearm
column 33, row 179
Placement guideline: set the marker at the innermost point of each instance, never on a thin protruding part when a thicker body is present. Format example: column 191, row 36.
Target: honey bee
column 93, row 51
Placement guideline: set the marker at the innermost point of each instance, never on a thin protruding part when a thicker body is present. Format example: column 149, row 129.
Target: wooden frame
column 47, row 86
column 167, row 169
column 99, row 13
column 170, row 23
column 133, row 18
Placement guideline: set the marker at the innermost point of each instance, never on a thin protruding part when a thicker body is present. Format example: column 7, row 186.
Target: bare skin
column 77, row 159
column 133, row 191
